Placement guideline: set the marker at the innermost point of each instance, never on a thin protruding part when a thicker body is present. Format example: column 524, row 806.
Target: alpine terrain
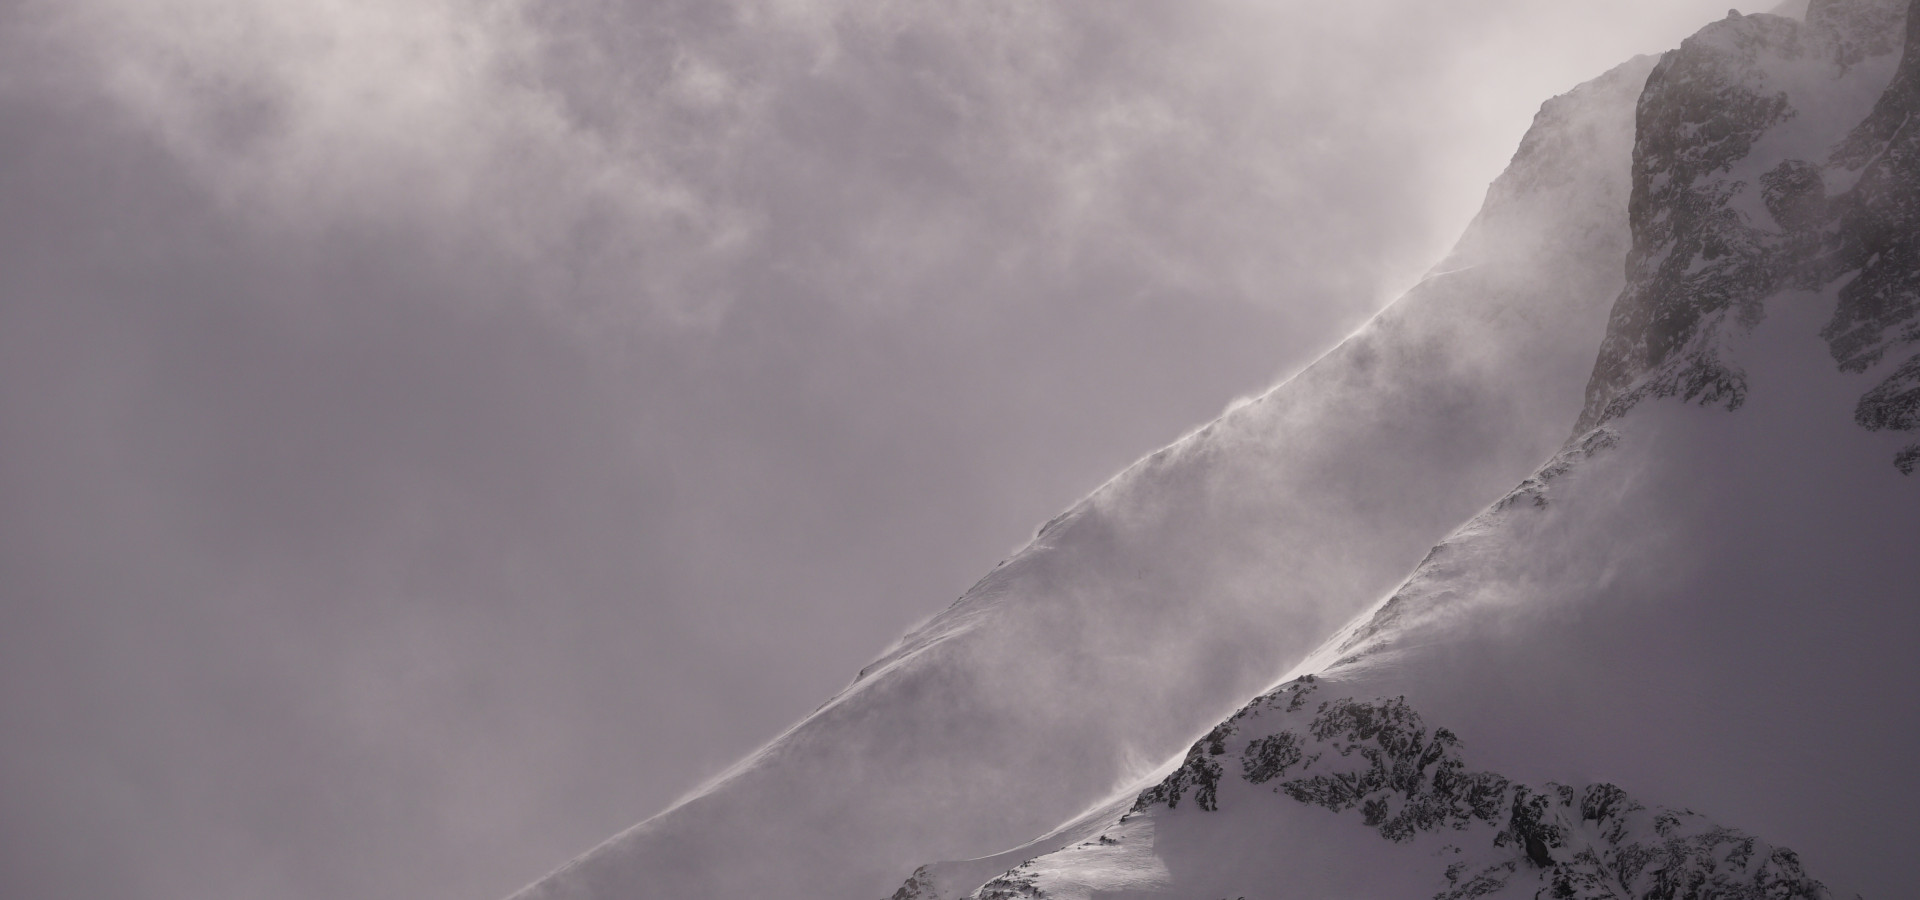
column 1679, row 611
column 1659, row 658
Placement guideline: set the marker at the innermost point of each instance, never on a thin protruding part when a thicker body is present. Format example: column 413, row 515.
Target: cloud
column 666, row 159
column 594, row 387
column 650, row 155
column 431, row 119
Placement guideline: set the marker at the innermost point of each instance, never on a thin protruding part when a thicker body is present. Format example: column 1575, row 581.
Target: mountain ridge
column 1225, row 556
column 1665, row 557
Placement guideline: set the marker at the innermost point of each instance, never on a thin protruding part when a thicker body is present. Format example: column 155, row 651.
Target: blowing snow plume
column 1191, row 580
column 1704, row 601
column 438, row 433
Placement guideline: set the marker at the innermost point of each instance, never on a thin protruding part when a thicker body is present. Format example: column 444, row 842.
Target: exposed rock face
column 1379, row 761
column 1697, row 266
column 1861, row 29
column 1725, row 215
column 1876, row 233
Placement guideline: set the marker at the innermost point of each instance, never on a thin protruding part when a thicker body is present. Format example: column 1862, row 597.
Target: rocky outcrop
column 1379, row 760
column 1697, row 266
column 1725, row 216
column 1876, row 238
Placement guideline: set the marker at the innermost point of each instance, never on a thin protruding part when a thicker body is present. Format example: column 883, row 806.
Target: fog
column 438, row 436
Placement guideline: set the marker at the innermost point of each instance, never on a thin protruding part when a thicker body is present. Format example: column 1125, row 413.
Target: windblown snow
column 1706, row 265
column 1695, row 605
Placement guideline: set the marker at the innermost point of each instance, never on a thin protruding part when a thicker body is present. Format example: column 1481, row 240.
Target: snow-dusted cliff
column 1225, row 557
column 1692, row 606
column 1374, row 801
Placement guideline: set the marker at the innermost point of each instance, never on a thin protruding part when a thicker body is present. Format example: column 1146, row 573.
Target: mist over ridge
column 1192, row 579
column 439, row 434
column 1667, row 663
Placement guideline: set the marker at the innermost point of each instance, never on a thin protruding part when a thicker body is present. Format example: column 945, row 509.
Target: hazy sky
column 435, row 435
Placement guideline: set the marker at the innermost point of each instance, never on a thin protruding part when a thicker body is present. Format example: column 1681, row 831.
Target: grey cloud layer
column 437, row 434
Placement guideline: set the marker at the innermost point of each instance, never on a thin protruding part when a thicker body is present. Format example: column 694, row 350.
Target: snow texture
column 1223, row 558
column 1479, row 834
column 1682, row 605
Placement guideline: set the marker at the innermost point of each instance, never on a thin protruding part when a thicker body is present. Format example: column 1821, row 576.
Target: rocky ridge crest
column 1380, row 761
column 1728, row 212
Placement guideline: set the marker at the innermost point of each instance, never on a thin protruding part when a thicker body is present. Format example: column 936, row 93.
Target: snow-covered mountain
column 1372, row 801
column 1703, row 600
column 1225, row 557
column 1699, row 601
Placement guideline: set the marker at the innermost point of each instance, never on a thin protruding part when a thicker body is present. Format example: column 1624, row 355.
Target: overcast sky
column 433, row 436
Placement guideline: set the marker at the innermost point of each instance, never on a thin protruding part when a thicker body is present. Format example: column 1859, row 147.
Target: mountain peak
column 1683, row 605
column 1675, row 605
column 1724, row 223
column 1225, row 556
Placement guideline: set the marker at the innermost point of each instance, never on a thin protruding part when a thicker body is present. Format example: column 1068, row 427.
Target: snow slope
column 1368, row 799
column 1224, row 558
column 1705, row 599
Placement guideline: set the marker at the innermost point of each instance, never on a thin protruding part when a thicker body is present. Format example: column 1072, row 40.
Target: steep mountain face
column 1733, row 202
column 1871, row 230
column 1377, row 766
column 1225, row 557
column 1709, row 607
